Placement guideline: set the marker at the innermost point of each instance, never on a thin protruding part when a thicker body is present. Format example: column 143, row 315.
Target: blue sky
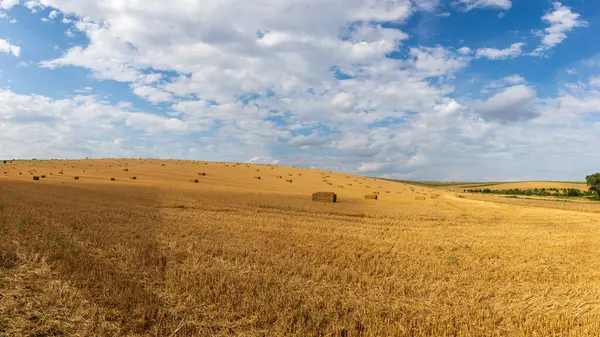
column 421, row 89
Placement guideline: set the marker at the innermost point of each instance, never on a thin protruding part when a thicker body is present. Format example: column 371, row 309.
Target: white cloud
column 8, row 4
column 436, row 61
column 53, row 15
column 417, row 160
column 493, row 4
column 514, row 79
column 595, row 81
column 372, row 167
column 501, row 54
column 253, row 79
column 73, row 127
column 8, row 48
column 511, row 104
column 152, row 94
column 464, row 50
column 561, row 21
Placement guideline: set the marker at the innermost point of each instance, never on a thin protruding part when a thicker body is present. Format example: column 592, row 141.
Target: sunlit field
column 208, row 249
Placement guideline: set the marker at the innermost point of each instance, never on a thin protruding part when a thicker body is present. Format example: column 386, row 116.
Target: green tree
column 593, row 181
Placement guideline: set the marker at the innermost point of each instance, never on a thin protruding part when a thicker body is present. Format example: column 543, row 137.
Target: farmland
column 206, row 249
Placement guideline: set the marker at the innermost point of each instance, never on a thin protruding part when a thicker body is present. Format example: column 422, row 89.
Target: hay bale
column 202, row 173
column 257, row 177
column 195, row 181
column 289, row 174
column 375, row 192
column 134, row 178
column 341, row 186
column 43, row 177
column 288, row 180
column 324, row 197
column 387, row 191
column 420, row 198
column 76, row 178
column 36, row 178
column 371, row 196
column 113, row 179
column 329, row 183
column 125, row 169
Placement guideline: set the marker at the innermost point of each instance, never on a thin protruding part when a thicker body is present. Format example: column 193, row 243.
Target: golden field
column 538, row 184
column 233, row 255
column 523, row 185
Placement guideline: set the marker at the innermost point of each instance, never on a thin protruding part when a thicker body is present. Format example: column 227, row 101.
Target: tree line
column 592, row 180
column 542, row 192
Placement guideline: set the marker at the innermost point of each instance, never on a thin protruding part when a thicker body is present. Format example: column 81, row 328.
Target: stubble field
column 234, row 255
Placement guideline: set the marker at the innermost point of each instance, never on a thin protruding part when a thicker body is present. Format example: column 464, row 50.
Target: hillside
column 233, row 255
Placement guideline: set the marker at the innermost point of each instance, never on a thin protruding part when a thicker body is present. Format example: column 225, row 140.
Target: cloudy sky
column 409, row 89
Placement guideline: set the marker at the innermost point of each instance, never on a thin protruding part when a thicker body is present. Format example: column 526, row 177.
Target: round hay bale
column 324, row 197
column 375, row 192
column 113, row 179
column 257, row 177
column 134, row 178
column 125, row 169
column 202, row 174
column 371, row 196
column 76, row 178
column 36, row 178
column 288, row 180
column 420, row 198
column 43, row 177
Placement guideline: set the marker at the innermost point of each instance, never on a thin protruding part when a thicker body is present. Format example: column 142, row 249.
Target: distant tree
column 593, row 181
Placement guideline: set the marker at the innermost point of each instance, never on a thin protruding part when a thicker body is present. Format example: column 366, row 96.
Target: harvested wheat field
column 236, row 256
column 537, row 184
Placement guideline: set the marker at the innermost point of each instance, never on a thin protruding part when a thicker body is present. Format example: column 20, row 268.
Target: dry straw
column 324, row 197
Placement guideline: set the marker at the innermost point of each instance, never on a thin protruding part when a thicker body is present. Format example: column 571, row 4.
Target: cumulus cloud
column 510, row 80
column 501, row 54
column 280, row 82
column 8, row 4
column 511, row 104
column 468, row 5
column 8, row 48
column 464, row 50
column 561, row 20
column 372, row 167
column 83, row 124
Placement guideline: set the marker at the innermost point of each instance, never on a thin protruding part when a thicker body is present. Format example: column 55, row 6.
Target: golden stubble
column 236, row 256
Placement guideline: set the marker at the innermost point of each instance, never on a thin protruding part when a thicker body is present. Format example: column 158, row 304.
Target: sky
column 451, row 90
